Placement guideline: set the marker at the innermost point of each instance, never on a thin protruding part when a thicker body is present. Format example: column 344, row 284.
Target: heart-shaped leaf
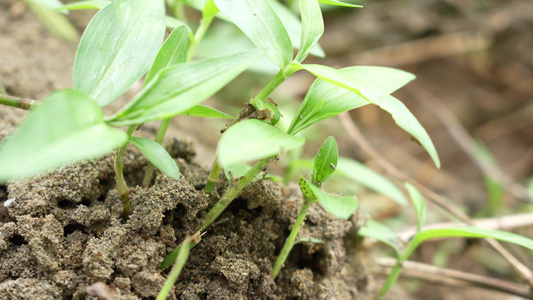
column 157, row 155
column 253, row 139
column 67, row 127
column 118, row 47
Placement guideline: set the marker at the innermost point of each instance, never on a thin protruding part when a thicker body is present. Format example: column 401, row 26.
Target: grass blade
column 157, row 155
column 312, row 27
column 262, row 26
column 118, row 47
column 178, row 88
column 67, row 127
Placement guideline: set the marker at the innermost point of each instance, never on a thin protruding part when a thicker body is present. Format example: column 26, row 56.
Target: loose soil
column 64, row 231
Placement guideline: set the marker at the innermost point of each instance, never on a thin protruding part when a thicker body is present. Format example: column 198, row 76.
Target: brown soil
column 64, row 231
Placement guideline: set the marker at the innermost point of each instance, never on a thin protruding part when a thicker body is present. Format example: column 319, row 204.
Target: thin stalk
column 159, row 138
column 122, row 187
column 257, row 102
column 17, row 102
column 268, row 89
column 213, row 177
column 163, row 127
column 179, row 11
column 289, row 242
column 176, row 270
column 198, row 35
column 233, row 192
column 395, row 272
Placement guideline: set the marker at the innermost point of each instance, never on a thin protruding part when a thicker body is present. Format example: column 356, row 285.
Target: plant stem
column 159, row 138
column 257, row 102
column 233, row 192
column 390, row 280
column 198, row 35
column 268, row 89
column 176, row 270
column 213, row 177
column 163, row 127
column 18, row 102
column 289, row 242
column 122, row 187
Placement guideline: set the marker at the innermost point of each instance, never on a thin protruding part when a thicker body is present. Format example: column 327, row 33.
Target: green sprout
column 325, row 163
column 124, row 42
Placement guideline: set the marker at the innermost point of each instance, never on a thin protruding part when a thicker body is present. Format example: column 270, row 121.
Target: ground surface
column 64, row 231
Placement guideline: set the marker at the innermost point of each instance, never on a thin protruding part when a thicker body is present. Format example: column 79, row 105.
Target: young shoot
column 325, row 163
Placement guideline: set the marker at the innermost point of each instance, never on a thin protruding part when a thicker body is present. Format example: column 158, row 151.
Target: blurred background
column 473, row 93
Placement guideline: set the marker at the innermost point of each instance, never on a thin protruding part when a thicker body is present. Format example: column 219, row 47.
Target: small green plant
column 124, row 41
column 324, row 165
column 385, row 235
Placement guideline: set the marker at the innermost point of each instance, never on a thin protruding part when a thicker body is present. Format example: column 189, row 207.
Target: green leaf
column 173, row 51
column 67, row 127
column 178, row 88
column 466, row 232
column 262, row 26
column 94, row 4
column 376, row 230
column 171, row 22
column 294, row 27
column 325, row 100
column 157, row 155
column 118, row 47
column 338, row 3
column 376, row 95
column 307, row 192
column 341, row 207
column 418, row 203
column 338, row 206
column 51, row 4
column 308, row 240
column 54, row 21
column 209, row 11
column 253, row 139
column 325, row 161
column 370, row 179
column 312, row 27
column 205, row 112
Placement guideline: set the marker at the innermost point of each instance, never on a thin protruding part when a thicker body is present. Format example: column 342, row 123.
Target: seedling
column 123, row 42
column 382, row 233
column 342, row 207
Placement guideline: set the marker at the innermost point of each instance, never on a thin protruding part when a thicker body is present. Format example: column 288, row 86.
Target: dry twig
column 449, row 277
column 524, row 272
